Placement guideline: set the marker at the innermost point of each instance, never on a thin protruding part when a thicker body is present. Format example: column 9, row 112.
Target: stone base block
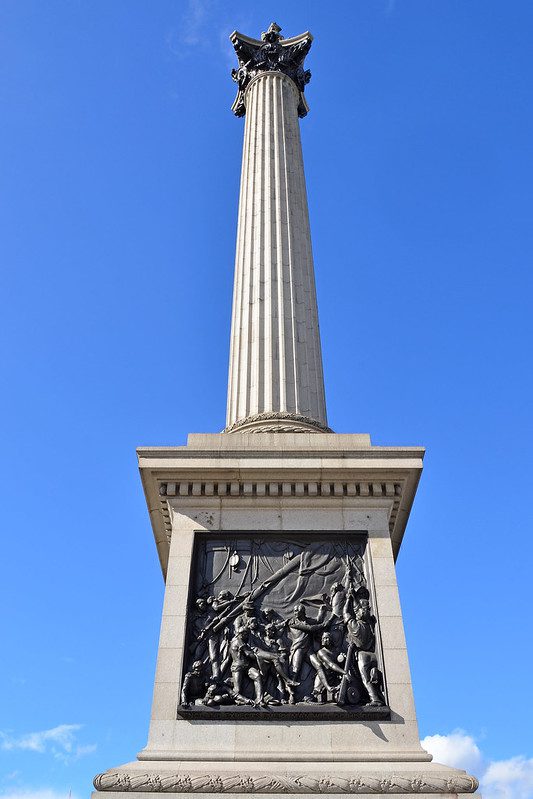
column 364, row 780
column 173, row 795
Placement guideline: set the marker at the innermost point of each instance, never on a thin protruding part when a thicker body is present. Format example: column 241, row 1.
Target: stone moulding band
column 285, row 784
column 273, row 489
column 277, row 488
column 278, row 422
column 277, row 76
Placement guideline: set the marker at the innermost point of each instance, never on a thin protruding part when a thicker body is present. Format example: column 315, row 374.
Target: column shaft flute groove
column 275, row 375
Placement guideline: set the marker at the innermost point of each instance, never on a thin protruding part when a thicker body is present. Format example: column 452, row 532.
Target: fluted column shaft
column 275, row 356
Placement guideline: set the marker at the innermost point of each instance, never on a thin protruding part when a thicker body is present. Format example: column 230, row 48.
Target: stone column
column 275, row 377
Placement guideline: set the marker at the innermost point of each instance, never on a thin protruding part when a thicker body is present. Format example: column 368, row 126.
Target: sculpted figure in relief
column 326, row 666
column 272, row 661
column 301, row 630
column 208, row 638
column 194, row 684
column 360, row 624
column 242, row 666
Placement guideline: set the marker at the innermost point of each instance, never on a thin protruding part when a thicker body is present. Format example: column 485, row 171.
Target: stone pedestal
column 323, row 485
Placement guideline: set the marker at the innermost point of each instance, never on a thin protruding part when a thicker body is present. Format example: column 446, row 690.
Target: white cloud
column 206, row 25
column 63, row 735
column 456, row 749
column 499, row 779
column 509, row 779
column 194, row 20
column 37, row 793
column 59, row 741
column 194, row 27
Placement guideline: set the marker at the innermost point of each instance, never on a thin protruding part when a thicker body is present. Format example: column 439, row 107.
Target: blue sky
column 120, row 165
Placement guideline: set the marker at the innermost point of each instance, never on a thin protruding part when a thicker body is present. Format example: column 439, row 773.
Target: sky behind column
column 120, row 165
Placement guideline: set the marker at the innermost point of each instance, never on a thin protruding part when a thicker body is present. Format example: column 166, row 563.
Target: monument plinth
column 282, row 665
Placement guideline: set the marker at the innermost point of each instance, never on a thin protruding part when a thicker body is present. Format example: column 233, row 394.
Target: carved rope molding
column 298, row 423
column 290, row 783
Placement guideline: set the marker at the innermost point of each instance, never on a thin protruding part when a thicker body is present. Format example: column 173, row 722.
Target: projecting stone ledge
column 328, row 473
column 272, row 53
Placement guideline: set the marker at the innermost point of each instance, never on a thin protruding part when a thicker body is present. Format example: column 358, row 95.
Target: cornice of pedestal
column 255, row 470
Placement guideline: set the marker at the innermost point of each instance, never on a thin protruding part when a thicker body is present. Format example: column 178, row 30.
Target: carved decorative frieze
column 278, row 422
column 272, row 54
column 281, row 625
column 284, row 784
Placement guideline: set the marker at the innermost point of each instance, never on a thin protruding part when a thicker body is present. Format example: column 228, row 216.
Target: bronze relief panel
column 282, row 625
